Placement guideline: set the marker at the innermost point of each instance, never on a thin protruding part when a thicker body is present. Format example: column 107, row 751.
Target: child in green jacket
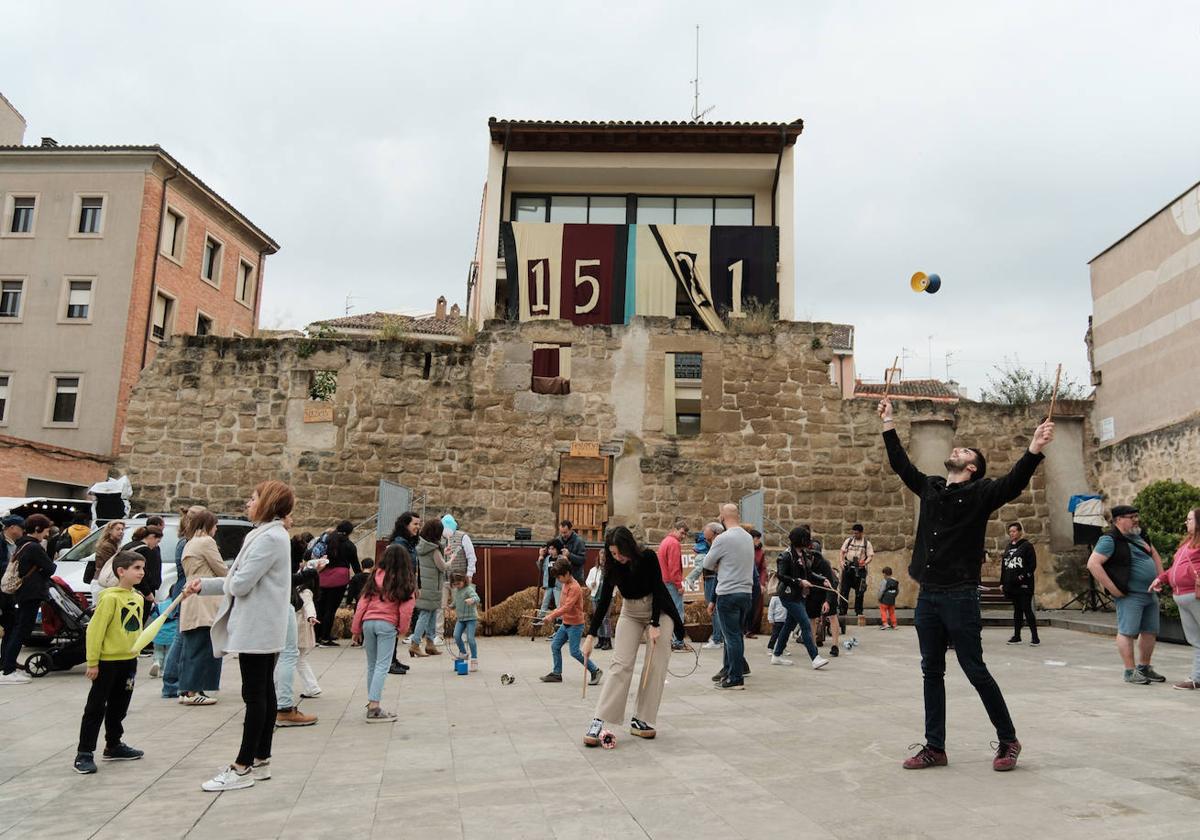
column 114, row 639
column 466, row 602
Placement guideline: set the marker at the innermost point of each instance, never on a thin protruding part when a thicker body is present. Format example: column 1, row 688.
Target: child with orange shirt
column 570, row 610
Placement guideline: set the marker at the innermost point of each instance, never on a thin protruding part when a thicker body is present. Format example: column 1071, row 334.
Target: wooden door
column 583, row 494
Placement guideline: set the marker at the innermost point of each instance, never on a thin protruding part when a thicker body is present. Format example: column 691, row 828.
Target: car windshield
column 229, row 541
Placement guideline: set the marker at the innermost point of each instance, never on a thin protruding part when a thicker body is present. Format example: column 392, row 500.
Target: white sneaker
column 439, row 641
column 229, row 779
column 711, row 645
column 155, row 670
column 261, row 772
column 197, row 699
column 15, row 678
column 819, row 662
column 779, row 660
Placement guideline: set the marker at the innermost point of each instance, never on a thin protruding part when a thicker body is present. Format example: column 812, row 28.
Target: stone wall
column 1172, row 453
column 212, row 416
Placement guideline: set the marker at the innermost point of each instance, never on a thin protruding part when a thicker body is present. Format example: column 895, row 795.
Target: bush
column 1162, row 508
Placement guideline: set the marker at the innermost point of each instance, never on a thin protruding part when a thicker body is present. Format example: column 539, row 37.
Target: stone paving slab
column 799, row 754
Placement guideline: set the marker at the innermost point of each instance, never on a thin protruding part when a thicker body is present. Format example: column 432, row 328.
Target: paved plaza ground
column 799, row 754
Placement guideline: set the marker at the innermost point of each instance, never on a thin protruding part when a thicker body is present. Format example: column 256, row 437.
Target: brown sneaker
column 294, row 717
column 414, row 650
column 1006, row 756
column 1186, row 685
column 431, row 648
column 926, row 757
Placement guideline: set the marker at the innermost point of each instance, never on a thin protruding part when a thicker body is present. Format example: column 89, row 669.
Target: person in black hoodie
column 1016, row 580
column 794, row 572
column 146, row 543
column 947, row 554
column 34, row 568
column 335, row 577
column 407, row 532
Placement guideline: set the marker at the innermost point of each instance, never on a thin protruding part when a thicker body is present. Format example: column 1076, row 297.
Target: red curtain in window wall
column 545, row 362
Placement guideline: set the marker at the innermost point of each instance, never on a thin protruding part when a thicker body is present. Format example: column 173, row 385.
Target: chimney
column 49, row 143
column 455, row 312
column 440, row 311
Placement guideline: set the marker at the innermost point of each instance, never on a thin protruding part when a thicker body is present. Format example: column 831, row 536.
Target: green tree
column 1162, row 508
column 1020, row 386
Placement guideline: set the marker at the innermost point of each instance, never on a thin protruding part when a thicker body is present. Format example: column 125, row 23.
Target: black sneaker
column 594, row 679
column 1015, row 640
column 731, row 686
column 1150, row 674
column 398, row 668
column 1034, row 642
column 745, row 668
column 720, row 675
column 121, row 752
column 591, row 738
column 552, row 677
column 833, row 651
column 84, row 763
column 641, row 729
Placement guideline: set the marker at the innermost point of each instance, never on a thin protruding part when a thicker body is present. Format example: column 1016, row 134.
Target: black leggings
column 22, row 626
column 258, row 693
column 327, row 606
column 107, row 703
column 1023, row 609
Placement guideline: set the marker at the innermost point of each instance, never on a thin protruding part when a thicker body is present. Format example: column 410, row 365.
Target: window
column 322, row 385
column 79, row 300
column 204, row 324
column 4, row 380
column 649, row 209
column 245, row 283
column 164, row 313
column 90, row 210
column 735, row 211
column 174, row 234
column 572, row 209
column 693, row 211
column 551, row 369
column 11, row 292
column 682, row 391
column 688, row 365
column 22, row 214
column 529, row 209
column 66, row 398
column 210, row 266
column 655, row 210
column 606, row 210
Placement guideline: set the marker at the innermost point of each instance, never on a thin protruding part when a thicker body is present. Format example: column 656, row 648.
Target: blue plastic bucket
column 460, row 667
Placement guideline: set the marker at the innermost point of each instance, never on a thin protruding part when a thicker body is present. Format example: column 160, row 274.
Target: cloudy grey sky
column 1001, row 145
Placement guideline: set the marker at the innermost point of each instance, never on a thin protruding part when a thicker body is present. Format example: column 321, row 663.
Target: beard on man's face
column 959, row 463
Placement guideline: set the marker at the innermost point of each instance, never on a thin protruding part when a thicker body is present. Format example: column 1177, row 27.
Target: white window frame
column 212, row 323
column 64, row 299
column 246, row 302
column 77, row 210
column 53, row 392
column 216, row 281
column 8, row 389
column 10, row 208
column 172, row 315
column 181, row 237
column 24, row 281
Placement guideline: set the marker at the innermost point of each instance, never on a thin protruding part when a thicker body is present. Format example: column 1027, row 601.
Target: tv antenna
column 697, row 114
column 349, row 304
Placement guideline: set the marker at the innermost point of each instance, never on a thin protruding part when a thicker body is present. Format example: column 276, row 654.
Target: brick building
column 105, row 253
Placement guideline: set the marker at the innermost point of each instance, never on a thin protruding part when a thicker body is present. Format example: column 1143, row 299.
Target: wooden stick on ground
column 1054, row 396
column 887, row 385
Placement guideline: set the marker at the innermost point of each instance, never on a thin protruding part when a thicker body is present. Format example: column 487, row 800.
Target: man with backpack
column 856, row 555
column 14, row 529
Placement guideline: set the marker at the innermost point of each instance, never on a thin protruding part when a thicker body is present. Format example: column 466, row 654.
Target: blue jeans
column 170, row 673
column 426, row 624
column 942, row 618
column 465, row 630
column 552, row 597
column 379, row 639
column 569, row 633
column 677, row 597
column 285, row 665
column 797, row 616
column 733, row 609
column 710, row 595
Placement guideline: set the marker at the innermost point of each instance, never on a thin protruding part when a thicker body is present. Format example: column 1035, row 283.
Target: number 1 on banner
column 735, row 269
column 537, row 275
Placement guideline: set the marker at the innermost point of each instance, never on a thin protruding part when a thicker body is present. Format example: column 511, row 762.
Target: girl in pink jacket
column 384, row 606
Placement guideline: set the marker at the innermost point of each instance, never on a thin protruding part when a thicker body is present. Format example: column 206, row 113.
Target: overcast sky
column 1002, row 146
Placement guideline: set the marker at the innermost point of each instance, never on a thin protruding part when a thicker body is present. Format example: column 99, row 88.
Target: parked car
column 231, row 531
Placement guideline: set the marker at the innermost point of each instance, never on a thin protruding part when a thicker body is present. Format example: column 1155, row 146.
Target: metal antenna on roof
column 697, row 114
column 349, row 305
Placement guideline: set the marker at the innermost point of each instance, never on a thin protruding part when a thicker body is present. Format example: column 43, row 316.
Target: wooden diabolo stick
column 585, row 676
column 646, row 666
column 887, row 385
column 1054, row 396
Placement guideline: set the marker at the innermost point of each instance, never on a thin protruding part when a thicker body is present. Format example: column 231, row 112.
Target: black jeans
column 952, row 617
column 21, row 628
column 258, row 693
column 1023, row 609
column 852, row 580
column 107, row 703
column 327, row 606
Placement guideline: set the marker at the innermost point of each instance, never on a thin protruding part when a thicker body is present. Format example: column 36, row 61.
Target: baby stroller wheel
column 38, row 664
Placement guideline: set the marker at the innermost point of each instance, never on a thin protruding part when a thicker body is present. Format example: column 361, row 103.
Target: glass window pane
column 607, row 210
column 693, row 211
column 735, row 211
column 655, row 210
column 569, row 209
column 530, row 209
column 10, row 299
column 89, row 215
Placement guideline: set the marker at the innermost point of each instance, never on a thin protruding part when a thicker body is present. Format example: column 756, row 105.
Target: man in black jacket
column 947, row 554
column 575, row 548
column 14, row 529
column 34, row 568
column 1016, row 580
column 796, row 579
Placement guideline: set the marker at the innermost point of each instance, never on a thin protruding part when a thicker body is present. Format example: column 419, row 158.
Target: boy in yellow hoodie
column 112, row 650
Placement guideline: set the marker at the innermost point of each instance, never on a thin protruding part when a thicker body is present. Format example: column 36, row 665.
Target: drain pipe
column 162, row 211
column 778, row 164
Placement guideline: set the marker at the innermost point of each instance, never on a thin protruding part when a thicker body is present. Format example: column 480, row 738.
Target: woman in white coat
column 252, row 622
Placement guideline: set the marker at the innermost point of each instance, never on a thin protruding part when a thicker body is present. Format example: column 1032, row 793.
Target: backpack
column 891, row 588
column 12, row 581
column 320, row 547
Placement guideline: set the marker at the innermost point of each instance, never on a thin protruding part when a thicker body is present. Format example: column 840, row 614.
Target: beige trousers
column 634, row 619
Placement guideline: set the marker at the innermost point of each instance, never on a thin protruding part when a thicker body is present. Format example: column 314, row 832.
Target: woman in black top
column 34, row 569
column 646, row 608
column 343, row 559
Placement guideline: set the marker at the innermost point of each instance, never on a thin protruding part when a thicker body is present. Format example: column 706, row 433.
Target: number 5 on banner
column 580, row 279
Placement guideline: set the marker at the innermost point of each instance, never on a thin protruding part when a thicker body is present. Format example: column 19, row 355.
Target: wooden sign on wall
column 318, row 412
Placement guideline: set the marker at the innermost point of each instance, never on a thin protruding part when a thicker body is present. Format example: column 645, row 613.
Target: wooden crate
column 583, row 494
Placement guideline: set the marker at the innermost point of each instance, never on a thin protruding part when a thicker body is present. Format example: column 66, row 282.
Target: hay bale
column 341, row 623
column 502, row 619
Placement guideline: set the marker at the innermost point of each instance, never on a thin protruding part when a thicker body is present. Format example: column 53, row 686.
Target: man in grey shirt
column 733, row 552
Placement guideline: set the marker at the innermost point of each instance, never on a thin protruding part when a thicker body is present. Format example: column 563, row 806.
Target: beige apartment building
column 1144, row 344
column 105, row 253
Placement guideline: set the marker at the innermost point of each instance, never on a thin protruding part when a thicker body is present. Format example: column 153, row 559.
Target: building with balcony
column 105, row 253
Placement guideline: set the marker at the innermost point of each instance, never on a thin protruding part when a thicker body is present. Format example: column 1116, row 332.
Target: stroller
column 65, row 617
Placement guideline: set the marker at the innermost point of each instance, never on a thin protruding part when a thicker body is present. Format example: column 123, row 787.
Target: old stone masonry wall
column 213, row 416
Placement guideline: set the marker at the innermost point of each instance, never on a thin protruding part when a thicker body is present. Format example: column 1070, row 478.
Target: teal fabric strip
column 631, row 274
